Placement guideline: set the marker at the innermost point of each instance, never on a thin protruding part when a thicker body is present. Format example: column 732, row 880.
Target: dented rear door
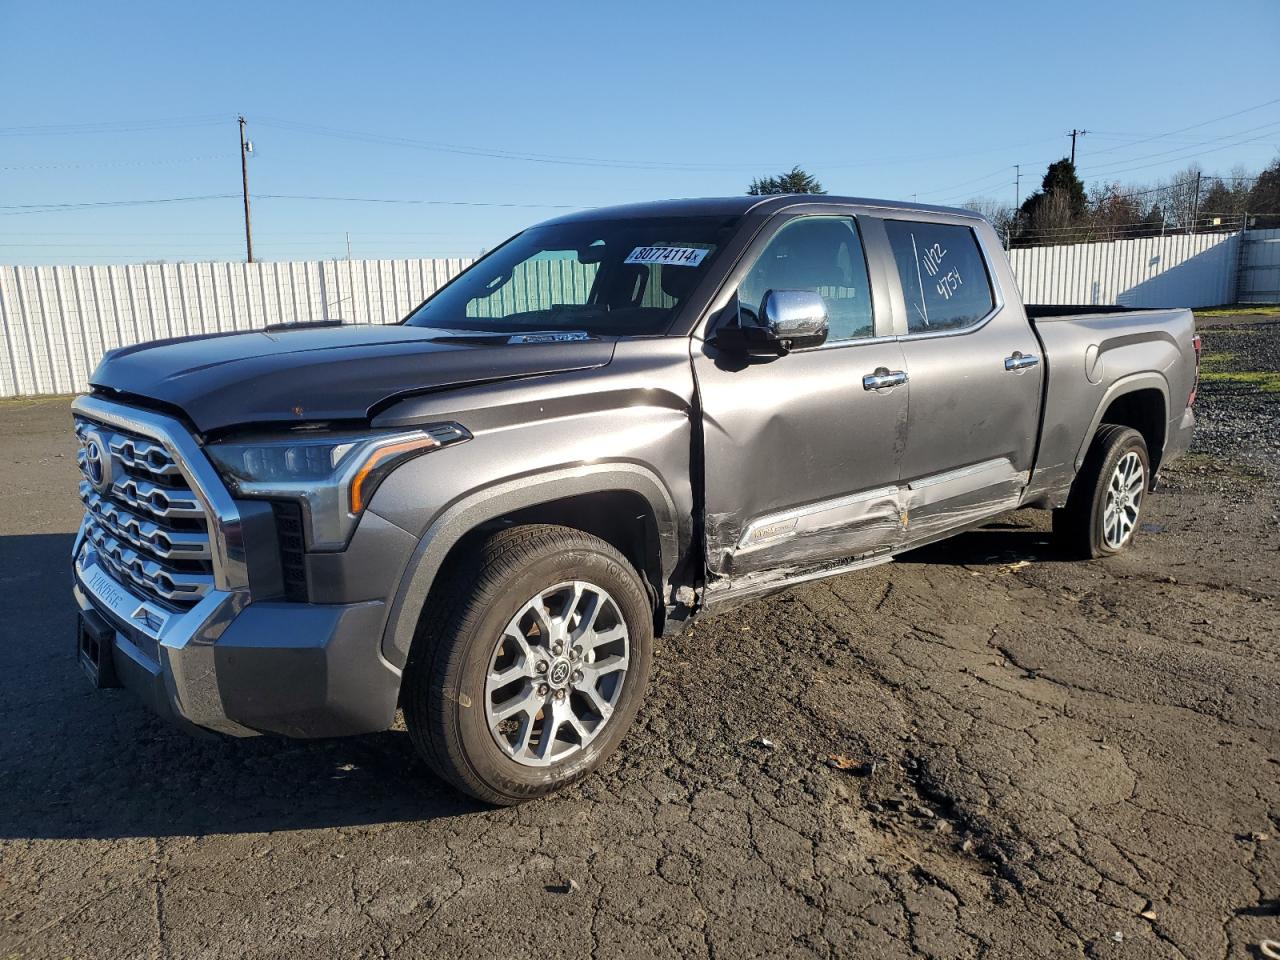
column 975, row 369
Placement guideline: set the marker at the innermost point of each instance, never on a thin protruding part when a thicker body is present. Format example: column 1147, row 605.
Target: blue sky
column 549, row 105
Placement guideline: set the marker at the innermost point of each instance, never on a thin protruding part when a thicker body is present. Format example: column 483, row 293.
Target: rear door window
column 944, row 277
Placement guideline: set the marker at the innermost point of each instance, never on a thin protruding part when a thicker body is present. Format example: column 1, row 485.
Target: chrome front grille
column 167, row 503
column 147, row 526
column 146, row 535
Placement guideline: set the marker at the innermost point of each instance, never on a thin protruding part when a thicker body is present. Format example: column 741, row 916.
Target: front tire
column 530, row 663
column 1102, row 512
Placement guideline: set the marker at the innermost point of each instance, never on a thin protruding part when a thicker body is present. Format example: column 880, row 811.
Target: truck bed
column 1093, row 353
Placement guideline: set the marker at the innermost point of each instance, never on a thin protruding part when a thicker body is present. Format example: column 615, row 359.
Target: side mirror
column 797, row 318
column 789, row 320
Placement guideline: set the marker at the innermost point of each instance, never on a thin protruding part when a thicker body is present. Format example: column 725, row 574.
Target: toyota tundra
column 614, row 423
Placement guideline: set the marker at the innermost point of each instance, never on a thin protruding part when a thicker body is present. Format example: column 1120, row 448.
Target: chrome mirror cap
column 795, row 317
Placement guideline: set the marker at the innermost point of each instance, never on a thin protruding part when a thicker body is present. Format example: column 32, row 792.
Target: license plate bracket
column 95, row 649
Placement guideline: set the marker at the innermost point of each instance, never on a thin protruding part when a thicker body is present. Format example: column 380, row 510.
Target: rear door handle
column 884, row 377
column 1020, row 360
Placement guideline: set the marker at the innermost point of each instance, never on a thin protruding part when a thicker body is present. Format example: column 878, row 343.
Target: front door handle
column 883, row 377
column 1020, row 361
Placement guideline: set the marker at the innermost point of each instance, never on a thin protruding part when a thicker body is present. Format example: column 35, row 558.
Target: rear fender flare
column 1130, row 384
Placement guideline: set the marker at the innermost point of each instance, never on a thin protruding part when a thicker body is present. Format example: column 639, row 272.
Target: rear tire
column 1103, row 510
column 538, row 630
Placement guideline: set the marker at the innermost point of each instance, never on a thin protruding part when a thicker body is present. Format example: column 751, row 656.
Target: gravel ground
column 981, row 750
column 1238, row 419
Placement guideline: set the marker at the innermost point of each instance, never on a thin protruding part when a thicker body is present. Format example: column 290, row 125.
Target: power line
column 1226, row 136
column 1188, row 156
column 111, row 126
column 235, row 234
column 1114, row 173
column 1194, row 126
column 1001, row 172
column 230, row 245
column 76, row 165
column 29, row 208
column 129, row 126
column 16, row 209
column 432, row 203
column 1179, row 142
column 1164, row 153
column 573, row 160
column 493, row 153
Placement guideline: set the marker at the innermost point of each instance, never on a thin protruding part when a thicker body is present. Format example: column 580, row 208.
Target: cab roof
column 741, row 205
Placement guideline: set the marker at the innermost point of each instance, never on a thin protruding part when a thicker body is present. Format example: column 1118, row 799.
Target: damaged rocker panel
column 844, row 511
column 853, row 530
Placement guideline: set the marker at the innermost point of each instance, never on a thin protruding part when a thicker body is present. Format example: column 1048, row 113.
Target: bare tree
column 1178, row 197
column 1115, row 213
column 998, row 212
column 1051, row 219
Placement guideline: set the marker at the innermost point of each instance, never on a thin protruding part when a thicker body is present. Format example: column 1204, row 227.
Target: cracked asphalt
column 982, row 750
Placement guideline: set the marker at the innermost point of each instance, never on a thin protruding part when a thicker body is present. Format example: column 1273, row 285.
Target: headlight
column 332, row 475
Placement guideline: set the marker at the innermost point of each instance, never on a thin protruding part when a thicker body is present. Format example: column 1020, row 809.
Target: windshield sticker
column 676, row 256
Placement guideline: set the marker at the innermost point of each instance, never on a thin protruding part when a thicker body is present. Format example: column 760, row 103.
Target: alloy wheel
column 1123, row 501
column 556, row 673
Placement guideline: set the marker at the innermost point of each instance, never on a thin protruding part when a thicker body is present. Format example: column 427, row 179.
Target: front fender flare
column 496, row 500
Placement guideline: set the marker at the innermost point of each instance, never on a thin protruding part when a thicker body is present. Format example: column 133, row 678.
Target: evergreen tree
column 1060, row 203
column 1264, row 198
column 793, row 181
column 1062, row 179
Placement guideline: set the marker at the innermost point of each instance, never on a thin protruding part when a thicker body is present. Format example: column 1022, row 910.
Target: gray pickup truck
column 615, row 422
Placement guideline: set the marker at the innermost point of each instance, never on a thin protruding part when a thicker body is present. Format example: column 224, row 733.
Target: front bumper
column 297, row 669
column 211, row 658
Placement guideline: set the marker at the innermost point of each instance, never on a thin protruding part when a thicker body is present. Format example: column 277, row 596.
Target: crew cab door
column 975, row 370
column 801, row 458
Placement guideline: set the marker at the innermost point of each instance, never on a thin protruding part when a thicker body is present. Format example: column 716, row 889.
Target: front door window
column 822, row 255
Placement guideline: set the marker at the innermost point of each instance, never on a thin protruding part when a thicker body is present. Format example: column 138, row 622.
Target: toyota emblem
column 97, row 462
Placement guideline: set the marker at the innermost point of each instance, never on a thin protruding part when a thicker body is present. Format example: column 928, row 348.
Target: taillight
column 1195, row 384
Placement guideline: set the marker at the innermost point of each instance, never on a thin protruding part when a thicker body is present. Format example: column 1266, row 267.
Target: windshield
column 606, row 277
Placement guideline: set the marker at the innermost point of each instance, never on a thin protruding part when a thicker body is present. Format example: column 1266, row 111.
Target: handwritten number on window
column 931, row 261
column 949, row 283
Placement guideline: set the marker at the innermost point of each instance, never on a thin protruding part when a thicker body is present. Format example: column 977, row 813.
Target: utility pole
column 1195, row 204
column 1075, row 133
column 1017, row 204
column 245, row 147
column 348, row 244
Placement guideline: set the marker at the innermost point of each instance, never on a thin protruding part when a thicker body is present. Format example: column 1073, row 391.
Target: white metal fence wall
column 1185, row 271
column 58, row 321
column 1259, row 278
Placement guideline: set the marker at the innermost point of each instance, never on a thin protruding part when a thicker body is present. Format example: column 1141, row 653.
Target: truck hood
column 313, row 372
